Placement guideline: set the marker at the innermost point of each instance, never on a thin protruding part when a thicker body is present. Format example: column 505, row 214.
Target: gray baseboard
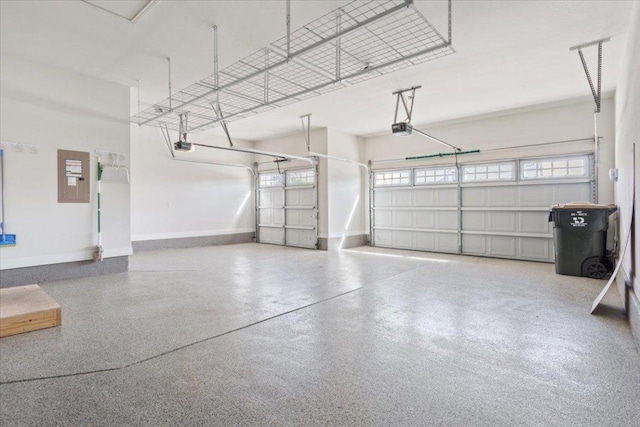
column 192, row 242
column 62, row 271
column 336, row 243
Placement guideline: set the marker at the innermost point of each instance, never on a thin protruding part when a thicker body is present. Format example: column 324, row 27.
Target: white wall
column 536, row 124
column 628, row 133
column 346, row 186
column 56, row 109
column 174, row 199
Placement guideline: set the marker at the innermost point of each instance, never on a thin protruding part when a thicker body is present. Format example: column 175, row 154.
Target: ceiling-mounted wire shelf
column 357, row 42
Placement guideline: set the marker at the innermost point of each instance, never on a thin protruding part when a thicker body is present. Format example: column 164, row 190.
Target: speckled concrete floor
column 264, row 335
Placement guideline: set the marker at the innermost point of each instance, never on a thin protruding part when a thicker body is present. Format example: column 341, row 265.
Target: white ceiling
column 509, row 54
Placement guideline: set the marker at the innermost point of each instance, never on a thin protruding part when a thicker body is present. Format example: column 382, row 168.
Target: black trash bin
column 580, row 239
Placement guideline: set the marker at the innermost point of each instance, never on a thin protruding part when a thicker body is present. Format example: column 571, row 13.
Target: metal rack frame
column 354, row 43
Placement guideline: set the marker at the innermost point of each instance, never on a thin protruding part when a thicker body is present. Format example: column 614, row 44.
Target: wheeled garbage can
column 580, row 239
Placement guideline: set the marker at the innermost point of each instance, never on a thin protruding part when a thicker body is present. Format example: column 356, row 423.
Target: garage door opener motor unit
column 580, row 239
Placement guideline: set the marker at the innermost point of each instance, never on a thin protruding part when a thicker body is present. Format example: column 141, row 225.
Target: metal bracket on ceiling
column 597, row 93
column 406, row 96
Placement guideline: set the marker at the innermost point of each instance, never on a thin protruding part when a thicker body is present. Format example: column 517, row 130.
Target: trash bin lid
column 584, row 205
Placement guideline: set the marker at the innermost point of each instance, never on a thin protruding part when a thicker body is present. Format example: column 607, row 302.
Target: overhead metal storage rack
column 354, row 43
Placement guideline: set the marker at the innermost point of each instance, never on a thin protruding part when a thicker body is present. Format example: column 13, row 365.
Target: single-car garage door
column 287, row 208
column 497, row 209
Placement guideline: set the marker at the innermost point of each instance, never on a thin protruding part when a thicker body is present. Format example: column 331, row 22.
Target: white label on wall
column 73, row 168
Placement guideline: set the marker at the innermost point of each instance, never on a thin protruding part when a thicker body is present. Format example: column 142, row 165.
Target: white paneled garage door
column 497, row 209
column 287, row 208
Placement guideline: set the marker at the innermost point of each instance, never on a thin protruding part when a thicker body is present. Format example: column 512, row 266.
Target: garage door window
column 489, row 172
column 435, row 176
column 301, row 177
column 270, row 180
column 567, row 167
column 393, row 178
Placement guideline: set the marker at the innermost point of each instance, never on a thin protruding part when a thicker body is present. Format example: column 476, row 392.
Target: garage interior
column 317, row 212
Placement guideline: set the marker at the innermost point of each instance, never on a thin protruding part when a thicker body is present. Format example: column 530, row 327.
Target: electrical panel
column 73, row 177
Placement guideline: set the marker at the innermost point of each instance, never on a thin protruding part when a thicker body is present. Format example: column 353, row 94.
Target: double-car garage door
column 287, row 208
column 497, row 209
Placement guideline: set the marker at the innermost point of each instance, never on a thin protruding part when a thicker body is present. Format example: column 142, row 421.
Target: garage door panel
column 272, row 235
column 536, row 195
column 534, row 248
column 271, row 198
column 534, row 222
column 383, row 198
column 402, row 219
column 292, row 197
column 474, row 220
column 277, row 198
column 383, row 238
column 302, row 238
column 474, row 197
column 447, row 197
column 474, row 244
column 424, row 197
column 401, row 198
column 571, row 192
column 447, row 220
column 402, row 239
column 447, row 242
column 271, row 216
column 424, row 219
column 502, row 246
column 502, row 196
column 383, row 218
column 502, row 221
column 300, row 217
column 300, row 197
column 425, row 241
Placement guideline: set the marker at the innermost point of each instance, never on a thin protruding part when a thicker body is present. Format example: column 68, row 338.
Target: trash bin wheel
column 595, row 270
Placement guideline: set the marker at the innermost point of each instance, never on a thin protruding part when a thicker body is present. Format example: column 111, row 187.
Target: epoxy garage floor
column 264, row 335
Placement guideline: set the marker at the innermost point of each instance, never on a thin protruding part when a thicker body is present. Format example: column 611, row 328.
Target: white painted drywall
column 536, row 124
column 57, row 109
column 295, row 144
column 174, row 199
column 346, row 186
column 627, row 134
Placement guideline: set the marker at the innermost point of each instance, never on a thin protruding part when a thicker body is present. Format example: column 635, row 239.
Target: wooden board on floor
column 26, row 309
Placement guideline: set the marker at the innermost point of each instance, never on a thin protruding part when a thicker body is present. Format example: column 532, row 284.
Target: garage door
column 287, row 208
column 497, row 209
